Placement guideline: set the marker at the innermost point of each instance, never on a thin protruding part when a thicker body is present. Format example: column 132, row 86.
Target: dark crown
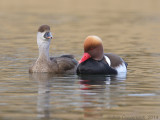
column 42, row 28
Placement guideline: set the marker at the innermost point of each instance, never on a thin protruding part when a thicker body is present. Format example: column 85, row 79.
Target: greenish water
column 128, row 28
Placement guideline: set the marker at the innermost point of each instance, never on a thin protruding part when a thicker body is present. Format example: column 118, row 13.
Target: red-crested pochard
column 95, row 61
column 65, row 64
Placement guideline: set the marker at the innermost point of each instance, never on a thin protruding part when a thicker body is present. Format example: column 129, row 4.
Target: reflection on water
column 99, row 81
column 90, row 96
column 43, row 101
column 128, row 28
column 89, row 102
column 97, row 96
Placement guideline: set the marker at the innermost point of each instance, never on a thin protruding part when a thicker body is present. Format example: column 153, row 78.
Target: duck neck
column 44, row 52
column 99, row 57
column 97, row 53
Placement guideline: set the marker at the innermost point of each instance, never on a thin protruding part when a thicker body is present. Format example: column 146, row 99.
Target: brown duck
column 65, row 64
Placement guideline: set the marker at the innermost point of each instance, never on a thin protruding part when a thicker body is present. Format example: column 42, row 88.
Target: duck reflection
column 98, row 95
column 99, row 81
column 43, row 102
column 93, row 81
column 95, row 96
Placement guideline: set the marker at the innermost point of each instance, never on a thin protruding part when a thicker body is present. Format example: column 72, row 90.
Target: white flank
column 121, row 68
column 108, row 60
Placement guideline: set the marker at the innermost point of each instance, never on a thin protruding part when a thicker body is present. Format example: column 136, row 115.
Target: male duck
column 95, row 61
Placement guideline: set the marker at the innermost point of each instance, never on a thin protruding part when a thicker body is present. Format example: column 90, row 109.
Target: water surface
column 128, row 28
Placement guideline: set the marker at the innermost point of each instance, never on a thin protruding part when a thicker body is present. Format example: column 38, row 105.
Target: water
column 128, row 28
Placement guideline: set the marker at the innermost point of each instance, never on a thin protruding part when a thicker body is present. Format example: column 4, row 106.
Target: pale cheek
column 41, row 35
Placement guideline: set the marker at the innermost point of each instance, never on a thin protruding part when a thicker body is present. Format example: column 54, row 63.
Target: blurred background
column 129, row 28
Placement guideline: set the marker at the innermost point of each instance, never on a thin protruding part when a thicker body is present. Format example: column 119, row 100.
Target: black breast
column 92, row 66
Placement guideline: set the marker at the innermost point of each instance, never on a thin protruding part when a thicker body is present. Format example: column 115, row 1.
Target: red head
column 93, row 48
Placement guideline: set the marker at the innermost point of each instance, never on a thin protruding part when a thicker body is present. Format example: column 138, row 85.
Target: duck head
column 44, row 36
column 93, row 48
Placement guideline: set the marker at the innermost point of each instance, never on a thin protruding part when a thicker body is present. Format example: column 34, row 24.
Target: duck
column 64, row 64
column 95, row 61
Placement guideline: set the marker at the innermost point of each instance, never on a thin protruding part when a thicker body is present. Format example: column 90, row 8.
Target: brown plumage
column 115, row 59
column 92, row 42
column 43, row 28
column 57, row 65
column 93, row 46
column 65, row 64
